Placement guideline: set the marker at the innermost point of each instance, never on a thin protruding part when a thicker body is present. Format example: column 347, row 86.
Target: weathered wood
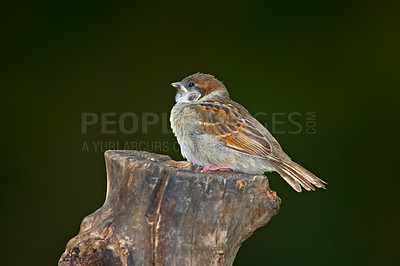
column 159, row 211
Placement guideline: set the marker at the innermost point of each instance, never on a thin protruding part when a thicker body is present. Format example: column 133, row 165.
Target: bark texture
column 159, row 211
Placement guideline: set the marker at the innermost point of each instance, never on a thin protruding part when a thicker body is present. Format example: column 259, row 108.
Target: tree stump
column 159, row 211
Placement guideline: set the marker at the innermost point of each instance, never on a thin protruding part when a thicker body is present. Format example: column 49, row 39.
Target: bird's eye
column 191, row 84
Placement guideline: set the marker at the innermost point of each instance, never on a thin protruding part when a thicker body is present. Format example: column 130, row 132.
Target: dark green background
column 339, row 59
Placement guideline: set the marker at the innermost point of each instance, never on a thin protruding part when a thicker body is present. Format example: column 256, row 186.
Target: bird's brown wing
column 228, row 123
column 233, row 125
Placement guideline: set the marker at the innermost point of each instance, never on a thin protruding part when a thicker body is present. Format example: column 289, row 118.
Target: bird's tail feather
column 296, row 175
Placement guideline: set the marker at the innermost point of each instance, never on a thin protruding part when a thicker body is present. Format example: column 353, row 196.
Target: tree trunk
column 159, row 211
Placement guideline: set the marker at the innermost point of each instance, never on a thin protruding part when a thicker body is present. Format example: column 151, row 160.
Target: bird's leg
column 215, row 168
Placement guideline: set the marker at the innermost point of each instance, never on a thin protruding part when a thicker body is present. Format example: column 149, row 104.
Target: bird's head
column 199, row 87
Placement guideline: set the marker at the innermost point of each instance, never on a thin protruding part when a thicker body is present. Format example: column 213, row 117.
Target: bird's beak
column 179, row 85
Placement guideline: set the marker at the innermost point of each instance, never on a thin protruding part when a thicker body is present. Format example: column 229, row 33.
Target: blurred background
column 323, row 76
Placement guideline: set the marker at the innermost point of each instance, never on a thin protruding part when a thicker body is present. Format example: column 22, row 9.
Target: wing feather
column 236, row 129
column 227, row 122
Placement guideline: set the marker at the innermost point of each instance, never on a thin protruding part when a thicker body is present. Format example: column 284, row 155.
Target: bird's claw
column 215, row 168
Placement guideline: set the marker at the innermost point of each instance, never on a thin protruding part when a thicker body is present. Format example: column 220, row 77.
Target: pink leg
column 215, row 168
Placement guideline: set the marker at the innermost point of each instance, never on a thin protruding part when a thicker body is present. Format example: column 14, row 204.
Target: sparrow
column 216, row 133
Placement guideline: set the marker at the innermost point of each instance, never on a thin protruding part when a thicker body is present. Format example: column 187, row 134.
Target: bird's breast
column 184, row 123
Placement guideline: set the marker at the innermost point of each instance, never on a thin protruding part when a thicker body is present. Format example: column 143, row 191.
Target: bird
column 217, row 133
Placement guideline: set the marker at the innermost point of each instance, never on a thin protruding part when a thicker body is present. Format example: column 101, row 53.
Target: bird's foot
column 215, row 168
